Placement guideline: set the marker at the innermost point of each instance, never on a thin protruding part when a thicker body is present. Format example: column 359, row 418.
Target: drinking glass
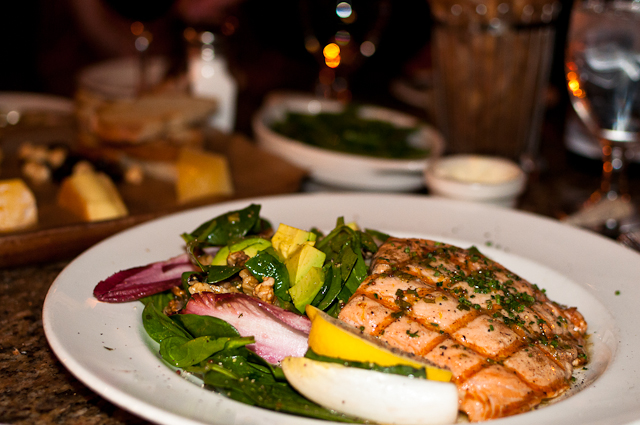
column 140, row 13
column 603, row 77
column 341, row 34
column 492, row 60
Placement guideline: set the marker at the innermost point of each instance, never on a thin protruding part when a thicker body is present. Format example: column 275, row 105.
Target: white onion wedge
column 375, row 396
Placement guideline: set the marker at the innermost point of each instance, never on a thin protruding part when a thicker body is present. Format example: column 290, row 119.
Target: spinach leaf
column 355, row 277
column 199, row 326
column 217, row 274
column 259, row 387
column 334, row 281
column 347, row 131
column 344, row 248
column 161, row 299
column 266, row 265
column 228, row 227
column 282, row 397
column 347, row 259
column 367, row 239
column 187, row 277
column 182, row 352
column 382, row 237
column 157, row 324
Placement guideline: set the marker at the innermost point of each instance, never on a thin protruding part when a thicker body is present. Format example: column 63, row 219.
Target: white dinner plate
column 105, row 346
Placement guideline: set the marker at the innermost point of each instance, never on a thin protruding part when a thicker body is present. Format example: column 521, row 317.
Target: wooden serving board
column 60, row 235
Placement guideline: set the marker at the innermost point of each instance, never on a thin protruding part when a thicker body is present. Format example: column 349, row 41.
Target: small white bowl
column 344, row 170
column 476, row 178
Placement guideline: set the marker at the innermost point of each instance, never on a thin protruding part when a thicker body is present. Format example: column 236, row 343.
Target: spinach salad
column 212, row 349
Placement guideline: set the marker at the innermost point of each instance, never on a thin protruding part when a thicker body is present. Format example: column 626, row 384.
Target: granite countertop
column 35, row 388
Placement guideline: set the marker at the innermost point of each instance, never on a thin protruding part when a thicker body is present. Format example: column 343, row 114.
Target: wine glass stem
column 143, row 63
column 614, row 180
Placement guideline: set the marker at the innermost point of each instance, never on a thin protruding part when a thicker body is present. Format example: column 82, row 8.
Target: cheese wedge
column 91, row 196
column 18, row 208
column 201, row 175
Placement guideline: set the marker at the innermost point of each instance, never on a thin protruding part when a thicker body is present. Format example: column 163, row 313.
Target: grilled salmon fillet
column 507, row 344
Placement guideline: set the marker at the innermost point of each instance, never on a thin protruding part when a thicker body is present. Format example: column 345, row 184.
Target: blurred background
column 46, row 44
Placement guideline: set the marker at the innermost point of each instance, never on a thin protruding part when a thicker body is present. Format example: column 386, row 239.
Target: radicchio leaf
column 139, row 282
column 278, row 333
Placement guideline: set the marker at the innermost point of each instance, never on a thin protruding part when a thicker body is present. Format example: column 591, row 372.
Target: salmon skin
column 507, row 344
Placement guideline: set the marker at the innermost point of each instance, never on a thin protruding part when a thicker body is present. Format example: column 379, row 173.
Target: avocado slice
column 250, row 246
column 287, row 239
column 307, row 288
column 302, row 260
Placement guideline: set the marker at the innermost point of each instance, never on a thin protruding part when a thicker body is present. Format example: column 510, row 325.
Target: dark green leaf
column 382, row 237
column 205, row 326
column 264, row 265
column 181, row 352
column 159, row 326
column 277, row 396
column 347, row 131
column 347, row 260
column 367, row 241
column 217, row 274
column 335, row 285
column 227, row 227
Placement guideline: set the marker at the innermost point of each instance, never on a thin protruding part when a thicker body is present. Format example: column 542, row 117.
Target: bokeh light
column 331, row 54
column 311, row 44
column 367, row 49
column 343, row 37
column 137, row 28
column 573, row 83
column 344, row 10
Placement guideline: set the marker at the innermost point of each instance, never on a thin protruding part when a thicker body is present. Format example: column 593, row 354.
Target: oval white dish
column 343, row 170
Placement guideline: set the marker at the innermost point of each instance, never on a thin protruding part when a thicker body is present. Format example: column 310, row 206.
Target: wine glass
column 341, row 34
column 141, row 13
column 603, row 78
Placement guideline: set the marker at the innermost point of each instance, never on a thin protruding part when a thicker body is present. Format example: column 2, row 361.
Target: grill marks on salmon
column 508, row 346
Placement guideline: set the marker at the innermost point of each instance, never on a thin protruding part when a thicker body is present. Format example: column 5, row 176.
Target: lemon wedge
column 375, row 396
column 333, row 338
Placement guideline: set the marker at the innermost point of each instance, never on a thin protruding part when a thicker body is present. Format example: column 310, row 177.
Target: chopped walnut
column 176, row 304
column 224, row 288
column 198, row 287
column 264, row 290
column 249, row 282
column 178, row 291
column 237, row 259
column 173, row 307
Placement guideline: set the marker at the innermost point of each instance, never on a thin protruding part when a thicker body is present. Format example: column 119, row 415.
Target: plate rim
column 33, row 101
